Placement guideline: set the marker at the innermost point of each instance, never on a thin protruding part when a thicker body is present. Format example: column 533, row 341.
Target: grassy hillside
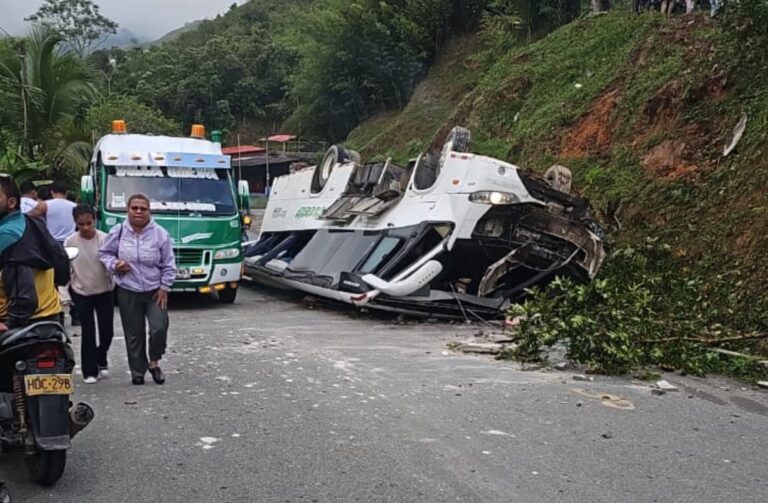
column 640, row 108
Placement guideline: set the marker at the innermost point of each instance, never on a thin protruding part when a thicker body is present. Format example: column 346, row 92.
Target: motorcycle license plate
column 49, row 384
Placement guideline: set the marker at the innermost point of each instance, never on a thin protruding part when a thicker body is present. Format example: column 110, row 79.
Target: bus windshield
column 172, row 190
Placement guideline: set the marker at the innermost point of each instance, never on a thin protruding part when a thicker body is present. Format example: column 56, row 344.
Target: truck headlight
column 226, row 253
column 493, row 197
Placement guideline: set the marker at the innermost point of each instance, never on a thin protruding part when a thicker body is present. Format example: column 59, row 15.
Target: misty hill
column 125, row 38
column 171, row 35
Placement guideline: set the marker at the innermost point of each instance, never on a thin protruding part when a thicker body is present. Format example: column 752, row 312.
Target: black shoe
column 137, row 380
column 157, row 375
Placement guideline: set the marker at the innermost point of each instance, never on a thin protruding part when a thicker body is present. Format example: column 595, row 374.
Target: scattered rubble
column 579, row 377
column 665, row 386
column 607, row 399
column 491, row 348
column 561, row 366
column 762, row 384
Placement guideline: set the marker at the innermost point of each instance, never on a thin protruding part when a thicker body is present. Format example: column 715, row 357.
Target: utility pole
column 266, row 185
column 23, row 85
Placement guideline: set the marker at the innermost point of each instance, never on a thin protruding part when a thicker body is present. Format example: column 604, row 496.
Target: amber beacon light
column 118, row 126
column 198, row 131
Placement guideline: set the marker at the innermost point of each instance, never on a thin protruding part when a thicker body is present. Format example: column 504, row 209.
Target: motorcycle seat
column 41, row 330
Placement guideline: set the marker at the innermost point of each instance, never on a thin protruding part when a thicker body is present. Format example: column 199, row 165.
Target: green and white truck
column 193, row 195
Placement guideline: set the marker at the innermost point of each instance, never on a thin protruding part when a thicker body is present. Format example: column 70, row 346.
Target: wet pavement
column 270, row 401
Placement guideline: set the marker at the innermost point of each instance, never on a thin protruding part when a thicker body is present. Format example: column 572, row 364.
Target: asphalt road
column 270, row 401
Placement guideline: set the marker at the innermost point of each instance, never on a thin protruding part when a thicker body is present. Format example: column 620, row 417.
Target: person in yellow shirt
column 31, row 264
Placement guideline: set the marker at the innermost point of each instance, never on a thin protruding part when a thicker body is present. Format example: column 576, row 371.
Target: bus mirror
column 86, row 189
column 244, row 194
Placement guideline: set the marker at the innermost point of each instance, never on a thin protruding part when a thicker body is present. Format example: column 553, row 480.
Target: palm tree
column 42, row 88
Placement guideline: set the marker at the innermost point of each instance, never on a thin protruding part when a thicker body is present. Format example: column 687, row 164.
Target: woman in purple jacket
column 139, row 253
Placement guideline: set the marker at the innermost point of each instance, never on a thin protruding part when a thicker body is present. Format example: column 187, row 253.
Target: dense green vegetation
column 315, row 67
column 42, row 89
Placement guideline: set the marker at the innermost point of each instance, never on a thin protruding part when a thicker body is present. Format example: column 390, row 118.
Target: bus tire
column 228, row 295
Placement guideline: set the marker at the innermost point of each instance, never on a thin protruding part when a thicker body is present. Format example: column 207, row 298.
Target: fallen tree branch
column 748, row 337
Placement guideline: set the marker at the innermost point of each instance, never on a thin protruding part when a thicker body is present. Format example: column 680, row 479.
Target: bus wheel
column 228, row 295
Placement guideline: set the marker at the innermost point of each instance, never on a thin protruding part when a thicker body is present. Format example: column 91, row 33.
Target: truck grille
column 189, row 256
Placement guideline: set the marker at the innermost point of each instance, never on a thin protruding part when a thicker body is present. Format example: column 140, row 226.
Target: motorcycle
column 37, row 416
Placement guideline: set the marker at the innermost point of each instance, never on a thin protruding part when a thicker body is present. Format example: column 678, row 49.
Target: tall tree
column 43, row 89
column 79, row 22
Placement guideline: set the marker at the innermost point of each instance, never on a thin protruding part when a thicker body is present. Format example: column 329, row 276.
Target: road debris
column 207, row 442
column 497, row 433
column 738, row 132
column 580, row 377
column 613, row 401
column 475, row 346
column 666, row 386
column 561, row 366
column 762, row 384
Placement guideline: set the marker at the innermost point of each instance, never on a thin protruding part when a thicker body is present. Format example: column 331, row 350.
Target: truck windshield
column 172, row 190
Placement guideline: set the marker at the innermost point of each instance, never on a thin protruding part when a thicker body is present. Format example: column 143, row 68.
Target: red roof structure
column 279, row 138
column 242, row 150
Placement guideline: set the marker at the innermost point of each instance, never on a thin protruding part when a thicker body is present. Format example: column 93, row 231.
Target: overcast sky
column 150, row 18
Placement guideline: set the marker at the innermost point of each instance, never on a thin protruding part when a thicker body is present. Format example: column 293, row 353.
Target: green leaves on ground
column 634, row 315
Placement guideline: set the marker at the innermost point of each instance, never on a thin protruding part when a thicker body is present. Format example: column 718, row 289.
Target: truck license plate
column 49, row 384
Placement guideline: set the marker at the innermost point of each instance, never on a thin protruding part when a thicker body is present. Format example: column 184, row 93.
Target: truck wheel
column 46, row 467
column 559, row 178
column 323, row 170
column 228, row 295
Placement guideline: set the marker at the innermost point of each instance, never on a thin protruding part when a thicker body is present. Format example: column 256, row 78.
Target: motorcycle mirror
column 72, row 252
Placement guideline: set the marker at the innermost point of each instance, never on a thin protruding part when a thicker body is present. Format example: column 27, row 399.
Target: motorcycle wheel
column 46, row 467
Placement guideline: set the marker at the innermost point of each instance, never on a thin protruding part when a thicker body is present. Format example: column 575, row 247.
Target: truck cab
column 193, row 195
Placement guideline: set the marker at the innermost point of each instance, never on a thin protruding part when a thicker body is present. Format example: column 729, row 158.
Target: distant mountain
column 178, row 31
column 125, row 38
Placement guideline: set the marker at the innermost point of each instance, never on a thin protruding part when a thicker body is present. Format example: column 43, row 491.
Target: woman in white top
column 91, row 290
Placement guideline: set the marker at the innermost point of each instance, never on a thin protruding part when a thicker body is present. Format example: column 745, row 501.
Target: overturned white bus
column 450, row 235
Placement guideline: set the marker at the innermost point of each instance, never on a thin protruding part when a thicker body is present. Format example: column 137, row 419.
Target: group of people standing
column 134, row 262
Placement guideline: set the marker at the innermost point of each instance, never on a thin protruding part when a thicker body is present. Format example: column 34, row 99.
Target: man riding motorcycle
column 31, row 264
